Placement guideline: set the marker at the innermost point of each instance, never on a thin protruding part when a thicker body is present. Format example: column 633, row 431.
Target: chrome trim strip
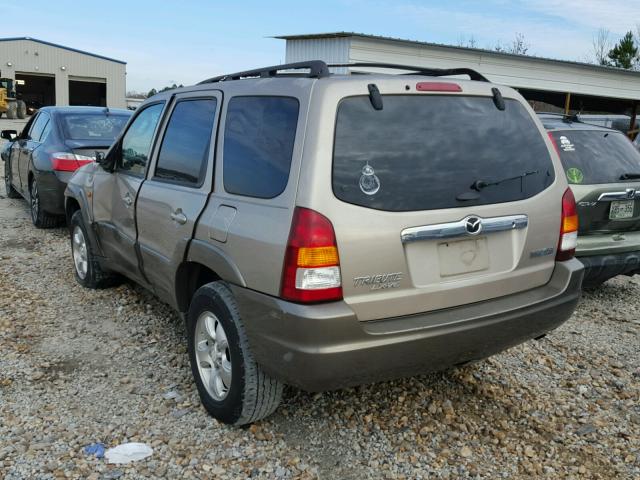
column 441, row 231
column 628, row 194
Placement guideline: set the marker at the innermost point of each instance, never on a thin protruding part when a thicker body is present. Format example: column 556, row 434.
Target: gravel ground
column 80, row 366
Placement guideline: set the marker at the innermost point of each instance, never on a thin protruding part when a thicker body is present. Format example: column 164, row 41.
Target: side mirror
column 9, row 134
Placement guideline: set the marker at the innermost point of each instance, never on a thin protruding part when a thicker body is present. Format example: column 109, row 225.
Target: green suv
column 603, row 170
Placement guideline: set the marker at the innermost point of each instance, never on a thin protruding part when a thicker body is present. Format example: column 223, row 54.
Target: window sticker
column 566, row 145
column 575, row 175
column 369, row 181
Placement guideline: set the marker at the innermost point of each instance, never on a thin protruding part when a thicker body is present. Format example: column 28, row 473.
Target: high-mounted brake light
column 311, row 272
column 438, row 87
column 68, row 162
column 568, row 227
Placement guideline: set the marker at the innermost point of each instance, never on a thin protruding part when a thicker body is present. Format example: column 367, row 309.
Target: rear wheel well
column 189, row 278
column 71, row 206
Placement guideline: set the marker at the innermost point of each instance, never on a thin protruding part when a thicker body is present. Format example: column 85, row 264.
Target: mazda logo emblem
column 473, row 225
column 631, row 193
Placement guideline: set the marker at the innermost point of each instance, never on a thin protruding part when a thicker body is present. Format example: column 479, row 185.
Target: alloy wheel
column 79, row 250
column 213, row 355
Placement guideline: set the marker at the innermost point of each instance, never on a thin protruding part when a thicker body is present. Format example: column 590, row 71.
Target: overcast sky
column 186, row 41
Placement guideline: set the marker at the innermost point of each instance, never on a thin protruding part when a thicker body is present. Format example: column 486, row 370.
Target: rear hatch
column 442, row 199
column 603, row 170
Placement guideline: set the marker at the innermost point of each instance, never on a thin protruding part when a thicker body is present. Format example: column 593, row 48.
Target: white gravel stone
column 80, row 366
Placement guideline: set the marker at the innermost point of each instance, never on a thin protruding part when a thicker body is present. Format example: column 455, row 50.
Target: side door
column 28, row 146
column 14, row 155
column 175, row 193
column 115, row 193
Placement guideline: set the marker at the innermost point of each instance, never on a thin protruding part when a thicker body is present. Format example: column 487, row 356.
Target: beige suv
column 322, row 230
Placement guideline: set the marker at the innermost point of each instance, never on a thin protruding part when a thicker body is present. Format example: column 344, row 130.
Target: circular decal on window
column 369, row 181
column 575, row 175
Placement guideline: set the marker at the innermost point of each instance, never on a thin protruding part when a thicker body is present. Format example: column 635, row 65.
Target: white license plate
column 463, row 256
column 621, row 209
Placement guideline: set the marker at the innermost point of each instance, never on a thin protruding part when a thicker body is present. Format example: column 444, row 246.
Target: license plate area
column 621, row 209
column 463, row 256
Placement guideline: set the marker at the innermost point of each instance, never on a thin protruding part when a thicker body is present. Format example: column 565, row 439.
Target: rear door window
column 185, row 147
column 425, row 152
column 258, row 145
column 596, row 156
column 38, row 126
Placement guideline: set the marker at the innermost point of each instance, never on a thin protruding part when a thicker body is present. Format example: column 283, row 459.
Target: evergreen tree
column 625, row 53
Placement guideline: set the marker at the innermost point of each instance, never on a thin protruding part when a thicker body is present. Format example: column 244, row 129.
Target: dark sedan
column 54, row 144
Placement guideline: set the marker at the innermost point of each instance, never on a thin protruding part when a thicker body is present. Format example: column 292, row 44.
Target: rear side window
column 185, row 148
column 258, row 145
column 425, row 152
column 595, row 156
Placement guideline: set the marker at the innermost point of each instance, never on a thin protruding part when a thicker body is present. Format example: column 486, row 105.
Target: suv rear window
column 421, row 152
column 596, row 156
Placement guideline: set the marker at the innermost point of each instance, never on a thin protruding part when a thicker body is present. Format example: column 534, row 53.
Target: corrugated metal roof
column 310, row 36
column 63, row 47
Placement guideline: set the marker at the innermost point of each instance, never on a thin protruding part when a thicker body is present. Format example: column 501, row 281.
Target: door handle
column 128, row 201
column 179, row 217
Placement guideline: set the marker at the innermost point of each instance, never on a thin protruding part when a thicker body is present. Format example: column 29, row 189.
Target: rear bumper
column 323, row 347
column 600, row 268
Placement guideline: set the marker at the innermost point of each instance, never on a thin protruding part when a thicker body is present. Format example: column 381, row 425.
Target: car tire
column 39, row 217
column 21, row 109
column 232, row 386
column 11, row 110
column 11, row 192
column 92, row 274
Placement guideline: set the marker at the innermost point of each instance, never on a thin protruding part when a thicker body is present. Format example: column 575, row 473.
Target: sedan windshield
column 93, row 126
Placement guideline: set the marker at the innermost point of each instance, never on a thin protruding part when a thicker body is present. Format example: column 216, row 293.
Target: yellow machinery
column 9, row 104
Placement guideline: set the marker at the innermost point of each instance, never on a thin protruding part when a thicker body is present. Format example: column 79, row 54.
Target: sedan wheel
column 35, row 202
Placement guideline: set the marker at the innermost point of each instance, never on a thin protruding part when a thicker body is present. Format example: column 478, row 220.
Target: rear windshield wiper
column 630, row 176
column 481, row 184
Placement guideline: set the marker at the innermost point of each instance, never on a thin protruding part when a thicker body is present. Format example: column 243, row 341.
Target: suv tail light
column 568, row 227
column 311, row 270
column 554, row 143
column 68, row 162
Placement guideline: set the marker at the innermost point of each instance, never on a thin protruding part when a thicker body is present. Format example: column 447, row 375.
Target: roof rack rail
column 572, row 117
column 430, row 72
column 317, row 69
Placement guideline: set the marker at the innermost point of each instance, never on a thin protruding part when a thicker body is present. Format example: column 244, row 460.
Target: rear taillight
column 311, row 270
column 68, row 162
column 568, row 227
column 553, row 141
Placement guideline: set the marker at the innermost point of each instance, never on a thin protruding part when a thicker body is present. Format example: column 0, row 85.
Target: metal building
column 50, row 74
column 546, row 83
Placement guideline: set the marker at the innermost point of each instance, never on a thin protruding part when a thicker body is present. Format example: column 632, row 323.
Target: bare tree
column 602, row 46
column 470, row 42
column 519, row 46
